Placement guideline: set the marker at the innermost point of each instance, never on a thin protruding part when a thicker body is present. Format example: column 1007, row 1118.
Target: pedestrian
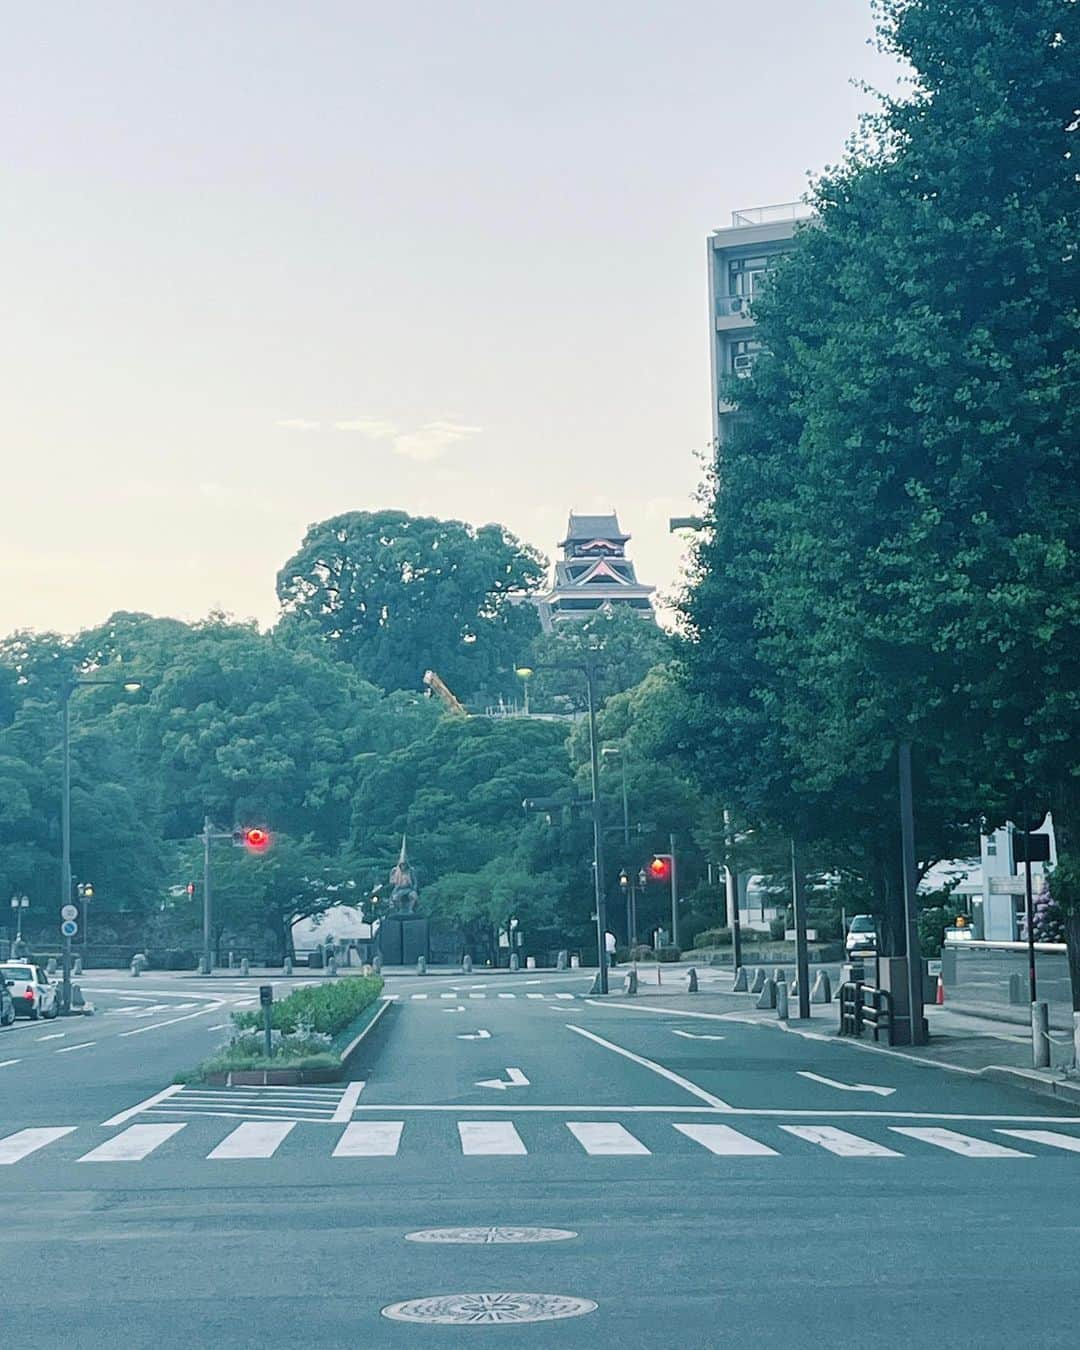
column 609, row 947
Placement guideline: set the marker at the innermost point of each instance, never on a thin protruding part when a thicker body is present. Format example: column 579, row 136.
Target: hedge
column 326, row 1008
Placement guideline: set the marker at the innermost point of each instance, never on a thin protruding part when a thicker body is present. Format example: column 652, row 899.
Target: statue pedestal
column 403, row 939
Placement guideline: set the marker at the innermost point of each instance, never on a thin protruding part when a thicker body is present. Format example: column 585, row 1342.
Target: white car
column 31, row 990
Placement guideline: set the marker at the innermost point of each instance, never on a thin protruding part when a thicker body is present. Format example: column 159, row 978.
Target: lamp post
column 625, row 877
column 588, row 669
column 66, row 692
column 86, row 894
column 18, row 904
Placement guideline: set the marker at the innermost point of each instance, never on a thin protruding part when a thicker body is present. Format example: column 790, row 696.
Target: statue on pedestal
column 404, row 896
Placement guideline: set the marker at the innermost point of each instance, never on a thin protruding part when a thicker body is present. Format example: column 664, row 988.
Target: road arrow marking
column 697, row 1036
column 846, row 1087
column 480, row 1035
column 514, row 1078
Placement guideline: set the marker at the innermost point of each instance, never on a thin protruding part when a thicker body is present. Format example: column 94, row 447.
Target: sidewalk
column 961, row 1040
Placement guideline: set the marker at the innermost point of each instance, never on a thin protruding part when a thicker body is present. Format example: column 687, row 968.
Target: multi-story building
column 739, row 257
column 593, row 573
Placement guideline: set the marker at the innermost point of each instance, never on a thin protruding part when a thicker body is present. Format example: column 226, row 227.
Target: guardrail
column 863, row 1006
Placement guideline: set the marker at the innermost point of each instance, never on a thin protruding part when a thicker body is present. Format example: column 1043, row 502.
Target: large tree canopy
column 395, row 595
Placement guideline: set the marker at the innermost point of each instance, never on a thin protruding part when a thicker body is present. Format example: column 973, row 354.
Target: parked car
column 862, row 938
column 7, row 1004
column 32, row 992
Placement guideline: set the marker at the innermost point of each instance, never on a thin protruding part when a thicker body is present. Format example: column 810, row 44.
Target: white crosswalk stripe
column 370, row 1139
column 264, row 1138
column 253, row 1139
column 21, row 1145
column 132, row 1144
column 959, row 1143
column 723, row 1139
column 478, row 995
column 606, row 1137
column 535, row 996
column 419, row 995
column 840, row 1141
column 508, row 995
column 1052, row 1138
column 486, row 1138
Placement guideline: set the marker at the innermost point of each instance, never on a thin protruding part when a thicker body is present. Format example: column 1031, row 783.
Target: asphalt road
column 711, row 1183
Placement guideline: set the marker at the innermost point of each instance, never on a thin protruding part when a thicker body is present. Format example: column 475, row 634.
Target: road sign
column 69, row 928
column 69, row 912
column 266, row 994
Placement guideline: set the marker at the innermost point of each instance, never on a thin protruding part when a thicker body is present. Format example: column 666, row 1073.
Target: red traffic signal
column 660, row 868
column 257, row 840
column 191, row 888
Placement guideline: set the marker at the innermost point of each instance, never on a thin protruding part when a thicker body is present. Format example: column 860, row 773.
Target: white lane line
column 344, row 1109
column 448, row 995
column 67, row 1049
column 119, row 1119
column 605, row 1137
column 697, row 1035
column 672, row 1077
column 564, row 996
column 1052, row 1138
column 155, row 1026
column 478, row 995
column 536, row 996
column 253, row 1139
column 25, row 1142
column 723, row 1139
column 508, row 995
column 958, row 1143
column 132, row 1144
column 370, row 1139
column 483, row 1138
column 5, row 1062
column 844, row 1087
column 52, row 1036
column 418, row 995
column 244, row 1002
column 840, row 1141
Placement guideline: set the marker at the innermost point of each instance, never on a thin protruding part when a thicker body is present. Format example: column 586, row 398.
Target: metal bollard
column 1040, row 1035
column 742, row 981
column 782, row 1001
column 691, row 981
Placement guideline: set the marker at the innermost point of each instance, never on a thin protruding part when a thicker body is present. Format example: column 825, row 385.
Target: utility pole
column 674, row 893
column 802, row 965
column 911, row 926
column 731, row 878
column 65, row 843
column 598, row 833
column 207, row 911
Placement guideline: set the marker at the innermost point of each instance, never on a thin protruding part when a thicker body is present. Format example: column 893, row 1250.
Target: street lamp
column 624, row 878
column 18, row 904
column 66, row 692
column 588, row 669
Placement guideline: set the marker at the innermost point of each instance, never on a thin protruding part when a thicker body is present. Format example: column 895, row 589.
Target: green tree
column 395, row 595
column 623, row 645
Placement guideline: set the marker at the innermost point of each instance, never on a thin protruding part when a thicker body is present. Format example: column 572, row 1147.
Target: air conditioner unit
column 737, row 304
column 743, row 365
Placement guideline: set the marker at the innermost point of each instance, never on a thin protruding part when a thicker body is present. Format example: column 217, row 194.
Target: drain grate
column 483, row 1235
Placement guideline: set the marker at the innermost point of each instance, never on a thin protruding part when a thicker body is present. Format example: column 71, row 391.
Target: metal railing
column 862, row 1007
column 764, row 215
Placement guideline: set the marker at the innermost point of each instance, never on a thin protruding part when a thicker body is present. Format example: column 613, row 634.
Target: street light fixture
column 66, row 692
column 588, row 669
column 18, row 904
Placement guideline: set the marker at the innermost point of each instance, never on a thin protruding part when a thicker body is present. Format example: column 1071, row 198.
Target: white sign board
column 69, row 912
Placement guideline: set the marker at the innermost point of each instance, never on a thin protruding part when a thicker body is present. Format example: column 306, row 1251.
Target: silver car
column 31, row 990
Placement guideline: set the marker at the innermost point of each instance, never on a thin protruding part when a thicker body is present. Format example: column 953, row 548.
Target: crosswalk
column 265, row 1139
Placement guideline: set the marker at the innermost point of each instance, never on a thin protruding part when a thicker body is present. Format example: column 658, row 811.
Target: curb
column 1027, row 1080
column 384, row 1005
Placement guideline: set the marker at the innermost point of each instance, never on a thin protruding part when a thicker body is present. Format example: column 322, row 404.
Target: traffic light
column 253, row 838
column 190, row 889
column 660, row 868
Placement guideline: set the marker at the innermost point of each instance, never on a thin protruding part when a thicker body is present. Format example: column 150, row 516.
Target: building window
column 742, row 356
column 745, row 274
column 991, row 846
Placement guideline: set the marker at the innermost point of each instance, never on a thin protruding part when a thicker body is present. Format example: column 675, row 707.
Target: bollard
column 232, row 960
column 561, row 961
column 376, row 965
column 758, row 983
column 50, row 966
column 782, row 1001
column 793, row 987
column 76, row 969
column 575, row 963
column 201, row 968
column 658, row 979
column 77, row 999
column 691, row 981
column 1017, row 992
column 421, row 965
column 1040, row 1035
column 136, row 971
column 742, row 981
column 530, row 963
column 515, row 961
column 767, row 997
column 245, row 967
column 466, row 963
column 780, row 975
column 596, row 988
column 822, row 990
column 365, row 969
column 286, row 965
column 629, row 984
column 331, row 967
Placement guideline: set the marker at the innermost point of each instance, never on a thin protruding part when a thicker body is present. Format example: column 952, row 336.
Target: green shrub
column 668, row 953
column 642, row 952
column 777, row 928
column 713, row 937
column 326, row 1008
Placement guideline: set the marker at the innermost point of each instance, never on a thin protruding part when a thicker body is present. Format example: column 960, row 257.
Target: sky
column 267, row 262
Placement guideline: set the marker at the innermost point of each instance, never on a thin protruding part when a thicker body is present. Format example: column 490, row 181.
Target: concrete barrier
column 50, row 966
column 421, row 965
column 742, row 981
column 780, row 975
column 245, row 967
column 376, row 965
column 767, row 996
column 782, row 1001
column 201, row 968
column 575, row 963
column 822, row 990
column 530, row 963
column 561, row 961
column 515, row 961
column 466, row 964
column 286, row 965
column 758, row 982
column 691, row 981
column 76, row 969
column 331, row 967
column 629, row 984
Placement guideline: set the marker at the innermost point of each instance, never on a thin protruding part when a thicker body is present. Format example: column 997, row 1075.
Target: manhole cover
column 488, row 1309
column 490, row 1235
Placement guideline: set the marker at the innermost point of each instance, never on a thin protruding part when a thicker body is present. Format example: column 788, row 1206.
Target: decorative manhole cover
column 489, row 1309
column 480, row 1235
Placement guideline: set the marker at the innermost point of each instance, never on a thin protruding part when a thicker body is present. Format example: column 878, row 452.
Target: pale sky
column 265, row 262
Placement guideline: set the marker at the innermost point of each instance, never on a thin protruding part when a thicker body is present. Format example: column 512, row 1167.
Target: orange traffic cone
column 940, row 999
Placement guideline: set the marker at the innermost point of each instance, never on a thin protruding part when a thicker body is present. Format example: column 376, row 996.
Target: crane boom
column 451, row 701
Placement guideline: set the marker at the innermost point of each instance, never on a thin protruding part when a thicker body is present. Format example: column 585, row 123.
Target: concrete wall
column 978, row 972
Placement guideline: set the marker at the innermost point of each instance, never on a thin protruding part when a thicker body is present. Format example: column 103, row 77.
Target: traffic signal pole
column 65, row 845
column 598, row 833
column 674, row 893
column 207, row 910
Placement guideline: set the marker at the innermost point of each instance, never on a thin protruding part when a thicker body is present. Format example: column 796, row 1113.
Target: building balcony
column 733, row 313
column 770, row 215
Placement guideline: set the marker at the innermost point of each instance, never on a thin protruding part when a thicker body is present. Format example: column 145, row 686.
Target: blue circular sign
column 69, row 928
